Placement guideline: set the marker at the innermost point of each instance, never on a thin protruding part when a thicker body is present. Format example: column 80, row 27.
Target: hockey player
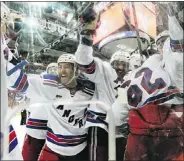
column 66, row 135
column 5, row 52
column 120, row 62
column 160, row 39
column 52, row 68
column 15, row 102
column 106, row 76
column 154, row 104
column 38, row 112
column 4, row 96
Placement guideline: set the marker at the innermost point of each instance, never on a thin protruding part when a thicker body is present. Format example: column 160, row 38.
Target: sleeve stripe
column 18, row 66
column 11, row 128
column 88, row 93
column 13, row 145
column 18, row 80
column 88, row 68
column 36, row 124
column 12, row 136
column 36, row 127
column 25, row 87
column 177, row 44
column 38, row 120
column 13, row 142
column 50, row 81
column 163, row 97
column 50, row 77
column 22, row 83
column 50, row 84
column 96, row 113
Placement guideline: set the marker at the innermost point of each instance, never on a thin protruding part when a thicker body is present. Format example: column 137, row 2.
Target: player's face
column 121, row 68
column 66, row 72
column 52, row 70
column 160, row 44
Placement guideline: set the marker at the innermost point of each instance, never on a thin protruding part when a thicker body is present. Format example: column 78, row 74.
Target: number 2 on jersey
column 135, row 93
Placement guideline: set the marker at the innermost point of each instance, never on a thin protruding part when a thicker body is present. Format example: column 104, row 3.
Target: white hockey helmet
column 120, row 56
column 161, row 35
column 67, row 58
column 52, row 65
column 136, row 60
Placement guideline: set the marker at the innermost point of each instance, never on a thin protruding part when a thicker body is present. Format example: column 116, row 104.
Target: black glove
column 89, row 19
column 123, row 130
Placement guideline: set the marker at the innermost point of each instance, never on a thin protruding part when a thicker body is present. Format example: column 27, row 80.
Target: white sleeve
column 94, row 68
column 84, row 54
column 120, row 112
column 86, row 62
column 176, row 35
column 175, row 30
column 33, row 87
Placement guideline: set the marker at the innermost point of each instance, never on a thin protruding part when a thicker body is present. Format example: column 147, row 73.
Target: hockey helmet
column 66, row 58
column 120, row 56
column 163, row 34
column 54, row 67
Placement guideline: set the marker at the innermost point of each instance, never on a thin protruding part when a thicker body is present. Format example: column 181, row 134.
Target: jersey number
column 135, row 93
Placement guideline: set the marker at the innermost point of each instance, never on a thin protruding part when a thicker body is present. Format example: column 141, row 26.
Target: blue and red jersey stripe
column 36, row 124
column 96, row 117
column 65, row 140
column 163, row 97
column 13, row 142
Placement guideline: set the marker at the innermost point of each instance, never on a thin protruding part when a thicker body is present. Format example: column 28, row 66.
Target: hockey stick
column 136, row 30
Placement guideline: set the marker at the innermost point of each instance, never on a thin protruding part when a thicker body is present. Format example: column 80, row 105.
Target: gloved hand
column 90, row 21
column 123, row 130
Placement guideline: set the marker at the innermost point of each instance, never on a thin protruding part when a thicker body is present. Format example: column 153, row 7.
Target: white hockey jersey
column 4, row 91
column 104, row 76
column 149, row 84
column 173, row 53
column 158, row 81
column 15, row 136
column 36, row 125
column 66, row 133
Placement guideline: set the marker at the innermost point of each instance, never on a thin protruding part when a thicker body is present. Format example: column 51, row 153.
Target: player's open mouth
column 119, row 71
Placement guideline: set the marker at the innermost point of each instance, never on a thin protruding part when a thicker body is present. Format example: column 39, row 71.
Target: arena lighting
column 30, row 21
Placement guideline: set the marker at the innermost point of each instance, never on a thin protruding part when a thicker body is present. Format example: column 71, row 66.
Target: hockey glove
column 90, row 21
